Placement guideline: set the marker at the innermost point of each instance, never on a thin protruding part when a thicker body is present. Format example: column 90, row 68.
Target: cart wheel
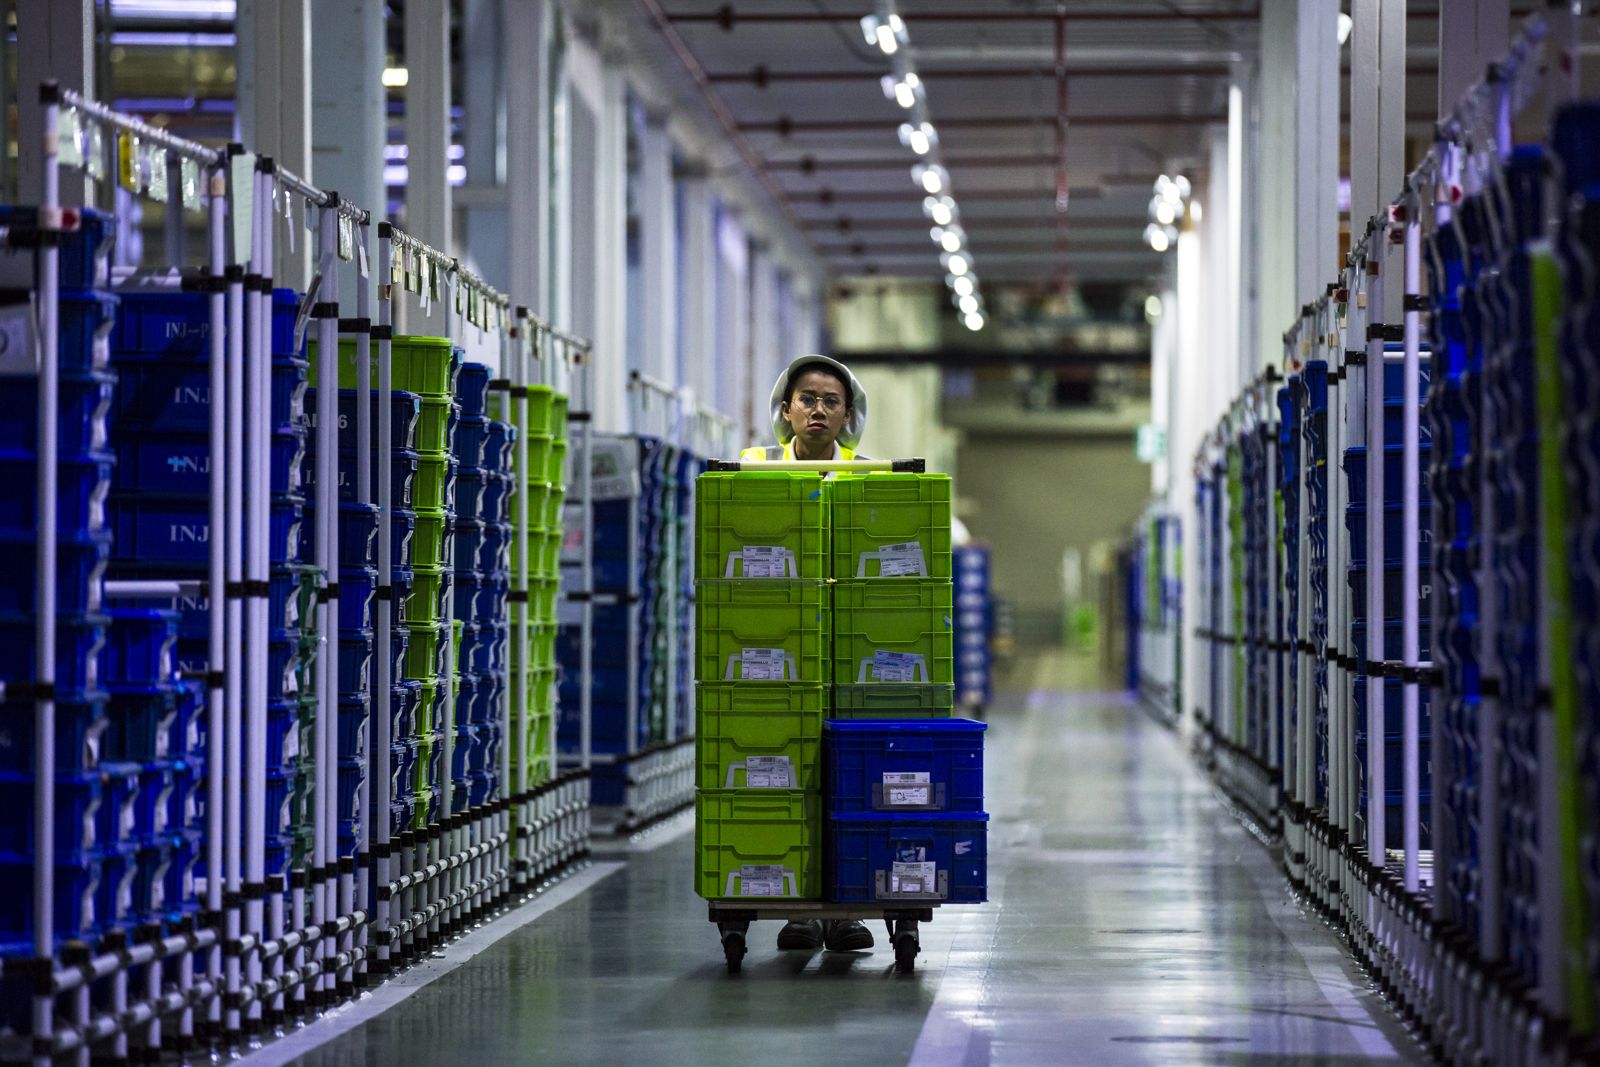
column 905, row 951
column 733, row 950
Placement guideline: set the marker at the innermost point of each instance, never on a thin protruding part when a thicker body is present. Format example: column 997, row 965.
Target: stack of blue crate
column 1289, row 635
column 481, row 603
column 1315, row 427
column 1391, row 746
column 1453, row 483
column 90, row 794
column 974, row 623
column 905, row 810
column 159, row 503
column 654, row 548
column 1512, row 471
column 485, row 635
column 689, row 467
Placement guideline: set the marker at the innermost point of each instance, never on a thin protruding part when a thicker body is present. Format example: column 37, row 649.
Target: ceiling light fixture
column 962, row 286
column 974, row 322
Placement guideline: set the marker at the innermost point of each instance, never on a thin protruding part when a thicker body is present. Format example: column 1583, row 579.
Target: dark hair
column 823, row 368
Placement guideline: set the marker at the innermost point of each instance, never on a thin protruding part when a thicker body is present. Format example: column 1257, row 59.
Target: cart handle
column 858, row 466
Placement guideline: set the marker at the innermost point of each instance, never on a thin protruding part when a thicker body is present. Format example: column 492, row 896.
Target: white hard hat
column 850, row 436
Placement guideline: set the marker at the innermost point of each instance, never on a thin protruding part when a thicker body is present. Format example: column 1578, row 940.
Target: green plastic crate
column 536, row 500
column 538, row 740
column 434, row 486
column 426, row 366
column 544, row 646
column 422, row 798
column 553, row 505
column 541, row 409
column 779, row 519
column 893, row 701
column 758, row 843
column 433, row 543
column 422, row 661
column 761, row 630
column 555, row 468
column 429, row 585
column 893, row 632
column 539, row 446
column 543, row 594
column 433, row 426
column 739, row 721
column 890, row 525
column 558, row 416
column 542, row 691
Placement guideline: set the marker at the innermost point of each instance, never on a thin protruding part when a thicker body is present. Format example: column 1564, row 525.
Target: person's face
column 816, row 409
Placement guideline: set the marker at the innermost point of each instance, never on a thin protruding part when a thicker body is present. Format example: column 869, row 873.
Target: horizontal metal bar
column 760, row 76
column 133, row 589
column 728, row 17
column 199, row 153
column 787, row 126
column 108, row 1024
column 66, row 979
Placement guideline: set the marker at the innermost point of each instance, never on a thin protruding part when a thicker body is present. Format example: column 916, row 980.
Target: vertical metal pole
column 222, row 673
column 1376, row 843
column 584, row 381
column 383, row 724
column 174, row 219
column 327, row 562
column 44, row 582
column 231, row 795
column 1411, row 490
column 517, row 716
column 378, row 699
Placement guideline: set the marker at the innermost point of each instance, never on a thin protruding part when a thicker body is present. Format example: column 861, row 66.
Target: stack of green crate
column 893, row 599
column 546, row 489
column 763, row 664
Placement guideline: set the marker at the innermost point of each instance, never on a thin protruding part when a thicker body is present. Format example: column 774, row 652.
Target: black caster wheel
column 733, row 950
column 905, row 952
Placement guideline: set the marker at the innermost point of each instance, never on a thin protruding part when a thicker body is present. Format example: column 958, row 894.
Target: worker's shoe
column 846, row 935
column 804, row 935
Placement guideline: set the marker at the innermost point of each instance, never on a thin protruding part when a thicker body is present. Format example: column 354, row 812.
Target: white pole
column 1409, row 576
column 382, row 731
column 221, row 679
column 1375, row 555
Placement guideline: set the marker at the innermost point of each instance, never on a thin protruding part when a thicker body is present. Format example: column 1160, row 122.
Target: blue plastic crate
column 75, row 892
column 355, row 661
column 173, row 395
column 352, row 775
column 83, row 342
column 82, row 726
column 179, row 464
column 158, row 787
column 497, row 491
column 283, row 601
column 358, row 533
column 890, row 858
column 80, row 643
column 83, row 483
column 81, row 561
column 463, row 753
column 498, row 444
column 470, row 589
column 280, row 801
column 468, row 545
column 78, row 798
column 86, row 400
column 1393, row 599
column 283, row 733
column 471, row 432
column 469, row 492
column 472, row 388
column 1355, row 468
column 354, row 716
column 402, row 475
column 162, row 530
column 166, row 322
column 144, row 724
column 85, row 241
column 358, row 587
column 285, row 659
column 140, row 648
column 403, row 703
column 404, row 409
column 402, row 583
column 280, row 854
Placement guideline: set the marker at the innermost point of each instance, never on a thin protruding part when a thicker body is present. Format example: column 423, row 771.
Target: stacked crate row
column 834, row 599
column 160, row 507
column 482, row 581
column 974, row 626
column 545, row 484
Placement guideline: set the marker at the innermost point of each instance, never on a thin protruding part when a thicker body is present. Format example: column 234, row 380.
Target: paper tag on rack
column 914, row 878
column 895, row 666
column 761, row 664
column 157, row 187
column 189, row 178
column 761, row 880
column 361, row 258
column 242, row 202
column 907, row 789
column 764, row 561
column 768, row 772
column 128, row 161
column 396, row 270
column 97, row 153
column 347, row 238
column 288, row 214
column 898, row 561
column 69, row 146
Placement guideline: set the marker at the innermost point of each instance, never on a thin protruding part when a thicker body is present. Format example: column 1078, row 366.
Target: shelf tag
column 761, row 664
column 761, row 880
column 907, row 789
column 768, row 772
column 764, row 561
column 899, row 561
column 895, row 666
column 913, row 878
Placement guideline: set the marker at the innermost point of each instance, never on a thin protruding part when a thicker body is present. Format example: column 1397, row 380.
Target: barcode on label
column 895, row 666
column 761, row 880
column 768, row 772
column 907, row 789
column 912, row 878
column 764, row 561
column 897, row 561
column 761, row 664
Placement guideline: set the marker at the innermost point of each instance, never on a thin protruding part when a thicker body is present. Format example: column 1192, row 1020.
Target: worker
column 819, row 411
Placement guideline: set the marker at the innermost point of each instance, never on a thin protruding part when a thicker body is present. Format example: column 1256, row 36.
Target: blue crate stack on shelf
column 160, row 512
column 1315, row 428
column 655, row 532
column 1390, row 747
column 974, row 626
column 95, row 798
column 1289, row 594
column 689, row 467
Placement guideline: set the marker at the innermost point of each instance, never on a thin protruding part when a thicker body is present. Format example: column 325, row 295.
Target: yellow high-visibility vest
column 785, row 453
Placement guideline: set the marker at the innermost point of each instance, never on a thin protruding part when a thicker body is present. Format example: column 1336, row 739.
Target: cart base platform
column 733, row 924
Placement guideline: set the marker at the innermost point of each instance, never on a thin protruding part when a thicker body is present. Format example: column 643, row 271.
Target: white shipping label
column 768, row 772
column 895, row 666
column 907, row 789
column 761, row 664
column 913, row 878
column 764, row 561
column 898, row 561
column 761, row 880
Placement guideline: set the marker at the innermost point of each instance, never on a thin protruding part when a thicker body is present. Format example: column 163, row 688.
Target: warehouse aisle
column 1097, row 949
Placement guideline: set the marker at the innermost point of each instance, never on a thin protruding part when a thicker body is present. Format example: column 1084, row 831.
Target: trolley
column 733, row 921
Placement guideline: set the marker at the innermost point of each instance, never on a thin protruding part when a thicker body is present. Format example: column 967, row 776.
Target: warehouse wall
column 1032, row 497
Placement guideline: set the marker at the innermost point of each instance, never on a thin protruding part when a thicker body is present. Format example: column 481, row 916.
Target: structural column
column 348, row 105
column 274, row 94
column 699, row 303
column 658, row 275
column 1316, row 140
column 427, row 43
column 55, row 40
column 1274, row 209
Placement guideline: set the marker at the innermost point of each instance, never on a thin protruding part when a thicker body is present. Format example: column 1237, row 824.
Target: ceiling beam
column 728, row 17
column 761, row 76
column 785, row 126
column 912, row 196
column 849, row 225
column 961, row 356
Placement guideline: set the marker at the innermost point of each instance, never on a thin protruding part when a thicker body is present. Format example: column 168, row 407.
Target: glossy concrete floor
column 1132, row 922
